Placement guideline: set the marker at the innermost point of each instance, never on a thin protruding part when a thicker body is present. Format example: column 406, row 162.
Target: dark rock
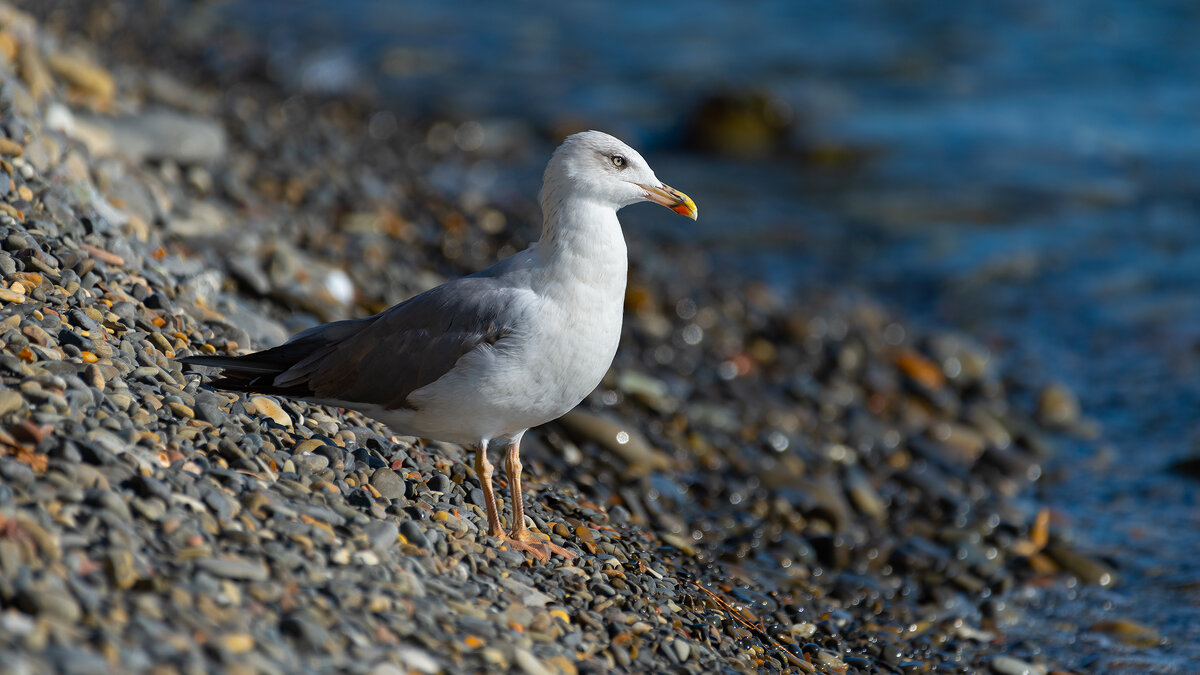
column 413, row 533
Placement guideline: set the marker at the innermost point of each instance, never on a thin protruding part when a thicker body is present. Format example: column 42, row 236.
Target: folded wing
column 380, row 360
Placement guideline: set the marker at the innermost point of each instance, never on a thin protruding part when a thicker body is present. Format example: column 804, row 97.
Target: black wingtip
column 236, row 363
column 238, row 375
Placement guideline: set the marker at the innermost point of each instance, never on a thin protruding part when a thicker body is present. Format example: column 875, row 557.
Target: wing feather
column 382, row 359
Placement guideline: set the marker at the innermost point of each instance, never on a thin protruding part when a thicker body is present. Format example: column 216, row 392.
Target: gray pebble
column 51, row 602
column 389, row 484
column 413, row 533
column 308, row 463
column 222, row 505
column 230, row 568
column 109, row 500
column 309, row 634
column 441, row 483
column 208, row 412
column 381, row 534
column 150, row 487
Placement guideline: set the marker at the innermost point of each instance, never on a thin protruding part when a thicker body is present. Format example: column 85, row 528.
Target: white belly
column 572, row 327
column 521, row 382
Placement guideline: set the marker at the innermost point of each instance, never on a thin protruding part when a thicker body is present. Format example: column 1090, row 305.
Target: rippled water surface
column 1028, row 172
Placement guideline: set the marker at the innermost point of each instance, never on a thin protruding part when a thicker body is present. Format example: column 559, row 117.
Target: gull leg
column 512, row 467
column 520, row 536
column 483, row 469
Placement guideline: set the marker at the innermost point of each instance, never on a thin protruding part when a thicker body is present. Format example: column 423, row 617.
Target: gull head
column 595, row 166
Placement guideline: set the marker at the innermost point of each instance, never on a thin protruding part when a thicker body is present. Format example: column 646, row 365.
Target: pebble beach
column 762, row 483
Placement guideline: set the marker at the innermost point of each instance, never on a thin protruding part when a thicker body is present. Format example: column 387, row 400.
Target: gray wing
column 382, row 359
column 412, row 344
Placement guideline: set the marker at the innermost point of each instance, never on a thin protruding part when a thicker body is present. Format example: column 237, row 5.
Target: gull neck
column 582, row 238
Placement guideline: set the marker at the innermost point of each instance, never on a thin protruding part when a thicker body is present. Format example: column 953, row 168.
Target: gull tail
column 253, row 372
column 279, row 370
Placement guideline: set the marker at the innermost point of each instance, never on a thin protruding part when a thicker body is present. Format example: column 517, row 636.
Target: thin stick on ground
column 760, row 633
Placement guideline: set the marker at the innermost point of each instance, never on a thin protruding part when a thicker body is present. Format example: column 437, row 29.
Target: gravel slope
column 761, row 483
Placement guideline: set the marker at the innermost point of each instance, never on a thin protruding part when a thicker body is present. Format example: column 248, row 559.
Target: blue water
column 1028, row 172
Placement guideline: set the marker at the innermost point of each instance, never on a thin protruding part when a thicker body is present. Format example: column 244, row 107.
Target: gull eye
column 618, row 161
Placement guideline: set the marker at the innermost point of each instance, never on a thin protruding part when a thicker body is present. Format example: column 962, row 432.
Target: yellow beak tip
column 671, row 198
column 684, row 205
column 688, row 210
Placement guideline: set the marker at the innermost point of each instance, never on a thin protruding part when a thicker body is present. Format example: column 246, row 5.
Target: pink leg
column 483, row 468
column 520, row 536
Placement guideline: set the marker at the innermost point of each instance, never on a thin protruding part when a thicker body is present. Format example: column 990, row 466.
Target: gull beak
column 671, row 198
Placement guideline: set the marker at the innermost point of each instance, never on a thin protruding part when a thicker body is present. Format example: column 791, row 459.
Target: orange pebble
column 920, row 368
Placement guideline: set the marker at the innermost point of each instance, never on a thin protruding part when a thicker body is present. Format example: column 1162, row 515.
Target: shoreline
column 807, row 485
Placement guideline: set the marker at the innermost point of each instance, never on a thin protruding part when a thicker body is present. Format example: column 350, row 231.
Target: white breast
column 529, row 378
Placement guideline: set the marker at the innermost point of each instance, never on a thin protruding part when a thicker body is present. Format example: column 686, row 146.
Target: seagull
column 479, row 360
